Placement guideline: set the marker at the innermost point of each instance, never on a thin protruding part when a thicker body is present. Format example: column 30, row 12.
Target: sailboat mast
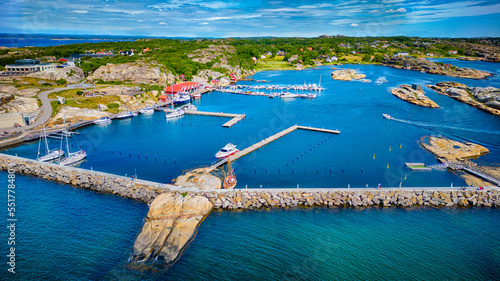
column 67, row 145
column 45, row 138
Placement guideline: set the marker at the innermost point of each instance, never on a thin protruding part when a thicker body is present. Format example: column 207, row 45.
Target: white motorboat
column 49, row 154
column 387, row 116
column 147, row 110
column 102, row 121
column 226, row 151
column 308, row 96
column 196, row 95
column 288, row 95
column 190, row 107
column 175, row 114
column 182, row 98
column 124, row 115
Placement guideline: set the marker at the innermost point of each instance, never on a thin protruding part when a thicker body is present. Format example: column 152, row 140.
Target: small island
column 484, row 98
column 346, row 75
column 413, row 94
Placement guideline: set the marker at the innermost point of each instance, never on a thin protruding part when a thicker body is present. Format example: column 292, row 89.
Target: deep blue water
column 65, row 233
column 45, row 42
column 369, row 150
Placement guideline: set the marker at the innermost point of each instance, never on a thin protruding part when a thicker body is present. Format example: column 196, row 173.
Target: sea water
column 370, row 150
column 65, row 233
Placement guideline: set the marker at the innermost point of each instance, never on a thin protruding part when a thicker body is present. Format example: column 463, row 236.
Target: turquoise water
column 370, row 150
column 66, row 233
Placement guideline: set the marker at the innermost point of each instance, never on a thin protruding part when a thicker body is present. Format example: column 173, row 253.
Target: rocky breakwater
column 171, row 223
column 415, row 96
column 421, row 64
column 346, row 75
column 484, row 98
column 134, row 72
column 92, row 180
column 72, row 74
column 355, row 198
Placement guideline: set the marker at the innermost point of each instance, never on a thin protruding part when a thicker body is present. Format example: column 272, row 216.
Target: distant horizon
column 255, row 18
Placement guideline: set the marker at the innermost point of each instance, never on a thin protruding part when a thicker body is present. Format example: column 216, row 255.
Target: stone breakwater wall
column 252, row 199
column 358, row 198
column 82, row 178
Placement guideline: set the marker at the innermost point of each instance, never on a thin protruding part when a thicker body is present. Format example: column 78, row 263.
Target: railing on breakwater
column 266, row 141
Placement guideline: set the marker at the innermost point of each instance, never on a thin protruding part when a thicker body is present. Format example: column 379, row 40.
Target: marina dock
column 235, row 117
column 265, row 142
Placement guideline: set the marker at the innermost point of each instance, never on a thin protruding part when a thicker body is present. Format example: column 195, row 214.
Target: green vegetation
column 113, row 105
column 55, row 107
column 61, row 81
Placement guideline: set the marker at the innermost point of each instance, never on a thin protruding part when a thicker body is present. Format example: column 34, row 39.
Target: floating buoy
column 146, row 157
column 175, row 162
column 405, row 176
column 292, row 170
column 129, row 154
column 373, row 156
column 306, row 151
column 111, row 151
column 266, row 170
column 287, row 164
column 389, row 148
column 317, row 170
column 138, row 155
column 401, row 145
column 95, row 149
column 361, row 170
column 255, row 170
column 155, row 158
column 342, row 170
column 387, row 165
column 302, row 154
column 292, row 160
column 297, row 157
column 165, row 160
column 279, row 171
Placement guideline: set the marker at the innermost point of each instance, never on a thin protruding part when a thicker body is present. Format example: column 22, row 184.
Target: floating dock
column 265, row 141
column 418, row 167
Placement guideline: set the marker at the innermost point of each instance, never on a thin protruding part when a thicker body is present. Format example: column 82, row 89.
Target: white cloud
column 354, row 24
column 163, row 23
column 174, row 4
column 130, row 12
column 392, row 1
column 139, row 20
column 214, row 5
column 204, row 23
column 80, row 11
column 232, row 17
column 400, row 10
column 340, row 21
column 374, row 11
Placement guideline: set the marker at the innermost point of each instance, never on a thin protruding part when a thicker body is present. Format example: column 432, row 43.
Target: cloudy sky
column 231, row 18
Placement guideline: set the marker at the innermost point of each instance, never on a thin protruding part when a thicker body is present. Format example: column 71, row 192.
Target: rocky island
column 421, row 64
column 346, row 75
column 413, row 95
column 450, row 150
column 484, row 98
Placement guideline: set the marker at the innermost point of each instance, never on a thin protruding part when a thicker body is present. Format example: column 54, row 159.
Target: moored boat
column 49, row 154
column 288, row 95
column 226, row 151
column 190, row 107
column 175, row 114
column 103, row 120
column 147, row 110
column 308, row 96
column 124, row 115
column 182, row 99
column 196, row 95
column 72, row 157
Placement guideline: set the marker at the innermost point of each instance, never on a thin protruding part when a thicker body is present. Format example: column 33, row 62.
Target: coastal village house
column 29, row 65
column 403, row 54
column 184, row 87
column 452, row 52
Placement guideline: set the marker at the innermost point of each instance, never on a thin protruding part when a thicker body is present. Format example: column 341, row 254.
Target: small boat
column 196, row 95
column 288, row 95
column 73, row 157
column 103, row 120
column 272, row 96
column 175, row 114
column 182, row 99
column 387, row 116
column 190, row 107
column 308, row 96
column 230, row 178
column 147, row 110
column 226, row 151
column 124, row 115
column 49, row 154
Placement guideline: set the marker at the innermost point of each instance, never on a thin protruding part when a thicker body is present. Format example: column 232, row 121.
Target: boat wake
column 431, row 125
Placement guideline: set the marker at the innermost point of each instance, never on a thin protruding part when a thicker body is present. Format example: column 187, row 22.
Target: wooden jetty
column 233, row 121
column 265, row 141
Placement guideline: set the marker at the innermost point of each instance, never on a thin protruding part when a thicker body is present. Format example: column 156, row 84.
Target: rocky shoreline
column 407, row 93
column 486, row 99
column 346, row 75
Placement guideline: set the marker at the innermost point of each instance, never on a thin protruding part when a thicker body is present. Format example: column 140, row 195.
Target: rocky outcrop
column 199, row 179
column 170, row 224
column 346, row 75
column 421, row 64
column 72, row 74
column 407, row 93
column 20, row 105
column 450, row 150
column 5, row 98
column 484, row 98
column 8, row 89
column 134, row 72
column 29, row 92
column 74, row 114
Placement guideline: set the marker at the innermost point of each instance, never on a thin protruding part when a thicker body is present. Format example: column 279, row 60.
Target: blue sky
column 231, row 18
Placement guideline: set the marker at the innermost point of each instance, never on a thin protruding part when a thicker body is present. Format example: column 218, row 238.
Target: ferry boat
column 226, row 151
column 387, row 116
column 175, row 114
column 103, row 120
column 308, row 96
column 124, row 115
column 147, row 110
column 182, row 98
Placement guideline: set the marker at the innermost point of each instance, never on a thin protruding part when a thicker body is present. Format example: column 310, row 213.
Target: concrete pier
column 267, row 141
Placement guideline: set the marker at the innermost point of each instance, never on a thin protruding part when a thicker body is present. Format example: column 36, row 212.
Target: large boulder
column 346, row 75
column 72, row 74
column 199, row 179
column 170, row 224
column 20, row 105
column 135, row 72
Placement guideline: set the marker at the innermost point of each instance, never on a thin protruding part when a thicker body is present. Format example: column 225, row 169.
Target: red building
column 184, row 87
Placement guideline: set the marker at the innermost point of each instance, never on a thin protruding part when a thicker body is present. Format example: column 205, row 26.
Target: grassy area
column 92, row 102
column 276, row 63
column 68, row 94
column 55, row 107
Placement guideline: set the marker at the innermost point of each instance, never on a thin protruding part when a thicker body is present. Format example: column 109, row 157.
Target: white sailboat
column 49, row 154
column 72, row 157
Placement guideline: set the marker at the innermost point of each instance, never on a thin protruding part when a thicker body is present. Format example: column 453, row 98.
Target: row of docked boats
column 310, row 87
column 288, row 95
column 180, row 111
column 149, row 110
